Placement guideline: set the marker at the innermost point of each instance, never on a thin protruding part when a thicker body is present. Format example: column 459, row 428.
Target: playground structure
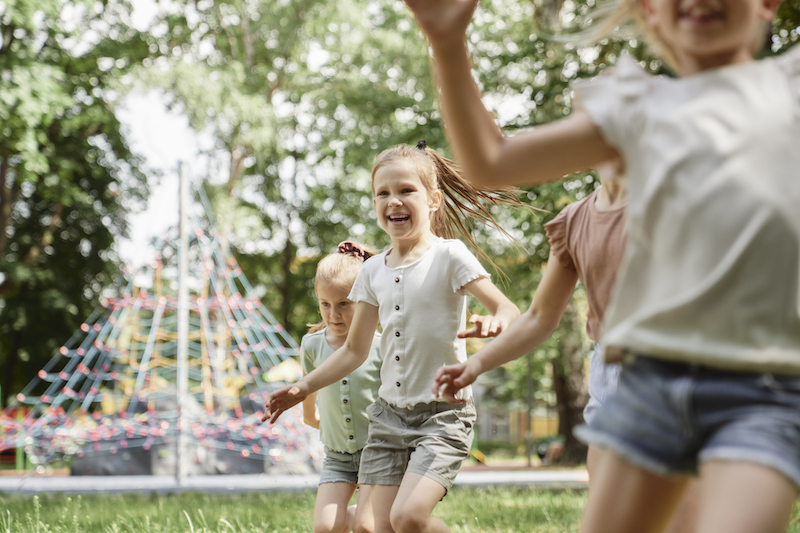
column 153, row 383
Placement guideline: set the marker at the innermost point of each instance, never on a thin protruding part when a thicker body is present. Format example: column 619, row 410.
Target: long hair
column 462, row 201
column 341, row 268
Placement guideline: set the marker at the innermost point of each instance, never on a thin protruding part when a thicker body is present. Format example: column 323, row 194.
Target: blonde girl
column 705, row 315
column 418, row 290
column 341, row 413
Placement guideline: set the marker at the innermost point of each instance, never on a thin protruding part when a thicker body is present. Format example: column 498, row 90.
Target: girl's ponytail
column 462, row 201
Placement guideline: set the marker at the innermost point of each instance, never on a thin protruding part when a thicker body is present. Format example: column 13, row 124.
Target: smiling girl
column 418, row 289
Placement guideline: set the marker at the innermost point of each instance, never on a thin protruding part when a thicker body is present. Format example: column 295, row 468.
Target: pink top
column 591, row 243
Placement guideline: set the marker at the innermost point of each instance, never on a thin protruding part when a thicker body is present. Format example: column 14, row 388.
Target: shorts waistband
column 432, row 407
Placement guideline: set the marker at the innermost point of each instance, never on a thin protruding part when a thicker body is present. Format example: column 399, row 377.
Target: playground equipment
column 169, row 379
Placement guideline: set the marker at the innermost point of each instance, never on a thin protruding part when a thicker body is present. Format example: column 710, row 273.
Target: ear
column 435, row 200
column 769, row 8
column 649, row 12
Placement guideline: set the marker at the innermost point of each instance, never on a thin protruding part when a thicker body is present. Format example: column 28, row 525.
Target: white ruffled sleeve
column 362, row 289
column 464, row 266
column 612, row 98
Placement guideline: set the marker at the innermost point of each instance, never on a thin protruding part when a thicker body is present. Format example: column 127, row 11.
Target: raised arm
column 350, row 356
column 523, row 335
column 486, row 157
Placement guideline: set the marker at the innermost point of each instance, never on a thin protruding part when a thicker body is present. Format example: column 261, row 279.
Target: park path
column 537, row 478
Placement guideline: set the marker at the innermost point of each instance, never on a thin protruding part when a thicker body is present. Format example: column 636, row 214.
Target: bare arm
column 522, row 336
column 502, row 311
column 310, row 413
column 350, row 356
column 487, row 158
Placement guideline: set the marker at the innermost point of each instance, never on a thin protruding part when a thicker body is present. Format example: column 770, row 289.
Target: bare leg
column 411, row 512
column 684, row 519
column 331, row 513
column 741, row 497
column 626, row 499
column 383, row 497
column 591, row 460
column 364, row 520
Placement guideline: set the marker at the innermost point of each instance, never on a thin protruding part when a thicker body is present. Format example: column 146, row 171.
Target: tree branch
column 47, row 236
column 8, row 192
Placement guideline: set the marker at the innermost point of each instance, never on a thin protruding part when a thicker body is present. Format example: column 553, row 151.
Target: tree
column 65, row 170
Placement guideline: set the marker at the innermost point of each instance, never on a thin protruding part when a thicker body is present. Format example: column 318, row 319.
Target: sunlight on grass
column 496, row 510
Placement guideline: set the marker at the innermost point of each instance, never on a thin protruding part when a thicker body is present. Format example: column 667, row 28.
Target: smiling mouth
column 700, row 15
column 398, row 219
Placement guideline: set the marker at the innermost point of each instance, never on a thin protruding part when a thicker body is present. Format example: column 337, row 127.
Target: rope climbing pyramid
column 109, row 400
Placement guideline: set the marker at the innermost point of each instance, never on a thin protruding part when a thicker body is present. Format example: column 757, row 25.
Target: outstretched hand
column 451, row 379
column 282, row 400
column 484, row 326
column 443, row 19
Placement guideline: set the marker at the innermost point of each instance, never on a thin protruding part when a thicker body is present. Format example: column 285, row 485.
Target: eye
column 324, row 304
column 344, row 304
column 408, row 190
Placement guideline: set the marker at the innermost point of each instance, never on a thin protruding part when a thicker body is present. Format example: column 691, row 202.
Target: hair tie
column 421, row 145
column 352, row 248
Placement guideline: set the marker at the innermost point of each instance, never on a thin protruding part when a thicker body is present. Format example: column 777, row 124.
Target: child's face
column 706, row 34
column 336, row 310
column 402, row 202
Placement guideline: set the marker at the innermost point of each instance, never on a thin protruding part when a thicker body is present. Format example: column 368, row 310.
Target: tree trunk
column 286, row 288
column 570, row 386
column 13, row 359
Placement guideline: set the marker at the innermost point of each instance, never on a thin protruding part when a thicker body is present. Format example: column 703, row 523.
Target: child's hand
column 282, row 400
column 484, row 326
column 441, row 20
column 451, row 379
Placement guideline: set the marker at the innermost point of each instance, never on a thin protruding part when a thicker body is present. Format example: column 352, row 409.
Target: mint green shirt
column 343, row 422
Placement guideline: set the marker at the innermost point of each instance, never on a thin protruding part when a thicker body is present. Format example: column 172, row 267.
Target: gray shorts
column 668, row 417
column 431, row 439
column 340, row 467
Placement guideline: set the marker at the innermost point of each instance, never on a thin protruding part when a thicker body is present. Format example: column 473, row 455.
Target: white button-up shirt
column 421, row 307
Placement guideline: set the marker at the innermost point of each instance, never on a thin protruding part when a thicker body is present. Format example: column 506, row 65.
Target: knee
column 363, row 528
column 406, row 521
column 336, row 525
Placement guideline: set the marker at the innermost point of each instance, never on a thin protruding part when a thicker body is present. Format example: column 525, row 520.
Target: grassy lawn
column 464, row 510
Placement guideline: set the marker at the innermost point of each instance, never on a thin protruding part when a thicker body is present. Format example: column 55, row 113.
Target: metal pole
column 183, row 325
column 529, row 435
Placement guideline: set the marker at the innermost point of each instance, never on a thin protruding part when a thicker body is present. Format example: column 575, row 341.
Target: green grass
column 464, row 510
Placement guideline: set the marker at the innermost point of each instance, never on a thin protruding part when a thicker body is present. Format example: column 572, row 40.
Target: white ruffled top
column 711, row 273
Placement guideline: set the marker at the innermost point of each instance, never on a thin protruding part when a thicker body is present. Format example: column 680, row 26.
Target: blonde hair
column 461, row 200
column 340, row 269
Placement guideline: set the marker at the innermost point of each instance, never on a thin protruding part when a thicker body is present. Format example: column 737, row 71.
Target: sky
column 163, row 137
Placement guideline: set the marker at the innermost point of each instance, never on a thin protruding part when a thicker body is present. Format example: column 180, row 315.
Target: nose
column 394, row 201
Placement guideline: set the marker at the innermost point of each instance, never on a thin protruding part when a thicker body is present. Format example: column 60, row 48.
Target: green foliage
column 65, row 170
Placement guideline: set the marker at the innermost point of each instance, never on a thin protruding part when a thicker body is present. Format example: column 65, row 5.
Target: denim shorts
column 340, row 467
column 430, row 439
column 667, row 418
column 603, row 380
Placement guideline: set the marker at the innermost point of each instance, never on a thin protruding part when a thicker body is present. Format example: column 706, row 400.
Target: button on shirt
column 421, row 307
column 343, row 422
